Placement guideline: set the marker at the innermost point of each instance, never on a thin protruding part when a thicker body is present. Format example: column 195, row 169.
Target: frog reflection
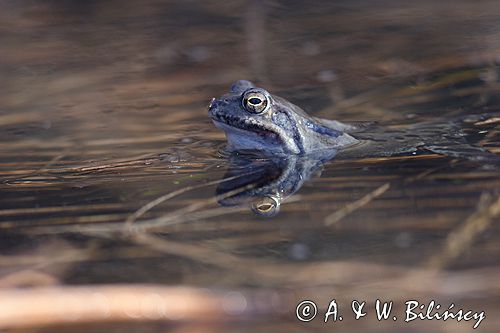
column 263, row 183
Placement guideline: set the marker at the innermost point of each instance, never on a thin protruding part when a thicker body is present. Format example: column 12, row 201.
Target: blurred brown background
column 103, row 111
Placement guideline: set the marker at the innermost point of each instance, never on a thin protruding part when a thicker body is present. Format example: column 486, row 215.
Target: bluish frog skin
column 255, row 120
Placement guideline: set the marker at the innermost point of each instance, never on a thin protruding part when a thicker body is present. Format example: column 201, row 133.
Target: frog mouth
column 225, row 123
column 243, row 126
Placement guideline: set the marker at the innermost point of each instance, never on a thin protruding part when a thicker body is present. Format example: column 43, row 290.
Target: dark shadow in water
column 267, row 181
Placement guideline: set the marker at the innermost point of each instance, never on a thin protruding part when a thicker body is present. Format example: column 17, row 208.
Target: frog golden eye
column 255, row 101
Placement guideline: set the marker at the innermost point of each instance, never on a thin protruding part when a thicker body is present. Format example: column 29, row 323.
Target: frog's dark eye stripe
column 255, row 101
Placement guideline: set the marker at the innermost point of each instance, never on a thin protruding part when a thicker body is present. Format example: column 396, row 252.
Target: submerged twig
column 351, row 207
column 461, row 238
column 150, row 205
column 178, row 216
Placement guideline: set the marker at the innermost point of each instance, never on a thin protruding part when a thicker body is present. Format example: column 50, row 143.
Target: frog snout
column 215, row 107
column 211, row 104
column 216, row 103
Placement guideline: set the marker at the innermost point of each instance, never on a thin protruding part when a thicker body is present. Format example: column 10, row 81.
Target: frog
column 287, row 147
column 255, row 120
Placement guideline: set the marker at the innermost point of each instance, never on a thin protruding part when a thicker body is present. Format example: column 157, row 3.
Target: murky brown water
column 109, row 164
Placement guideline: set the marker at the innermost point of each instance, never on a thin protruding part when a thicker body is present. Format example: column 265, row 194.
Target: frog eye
column 255, row 101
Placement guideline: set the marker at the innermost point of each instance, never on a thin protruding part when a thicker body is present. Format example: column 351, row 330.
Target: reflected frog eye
column 255, row 101
column 267, row 206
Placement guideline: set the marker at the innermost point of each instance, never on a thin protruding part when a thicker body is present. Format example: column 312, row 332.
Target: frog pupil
column 255, row 101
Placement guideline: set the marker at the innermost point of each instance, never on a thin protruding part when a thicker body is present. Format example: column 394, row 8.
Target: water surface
column 110, row 165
